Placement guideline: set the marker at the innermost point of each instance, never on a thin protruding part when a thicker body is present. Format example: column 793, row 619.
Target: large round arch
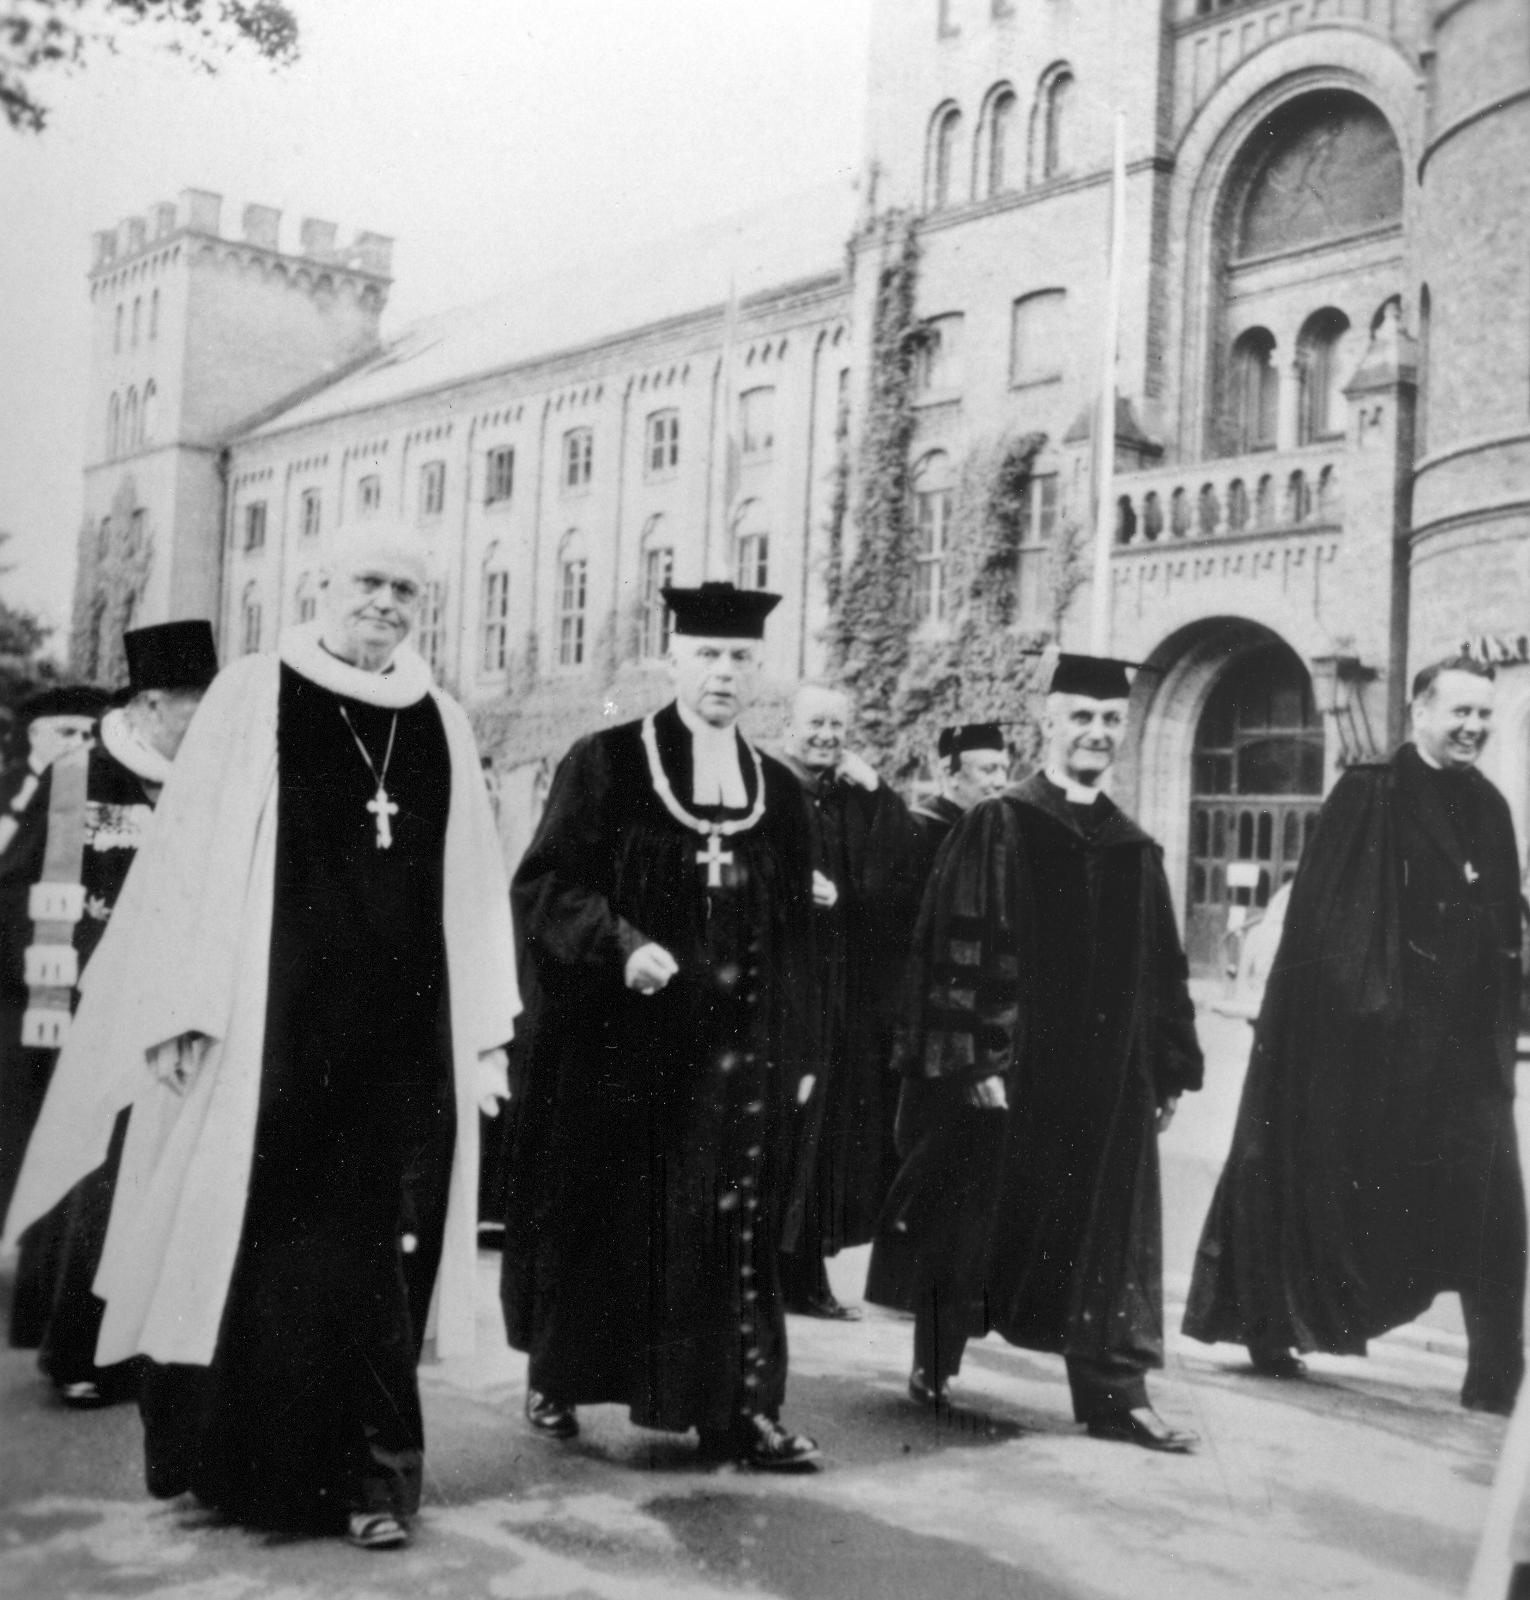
column 1224, row 725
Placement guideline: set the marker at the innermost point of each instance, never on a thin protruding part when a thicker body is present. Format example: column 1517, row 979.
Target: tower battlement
column 200, row 212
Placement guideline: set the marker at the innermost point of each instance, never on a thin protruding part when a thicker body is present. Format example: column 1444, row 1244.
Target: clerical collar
column 123, row 744
column 406, row 685
column 716, row 777
column 1076, row 794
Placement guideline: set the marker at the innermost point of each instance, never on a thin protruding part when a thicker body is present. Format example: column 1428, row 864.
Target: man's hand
column 493, row 1081
column 1166, row 1112
column 988, row 1094
column 855, row 769
column 177, row 1062
column 825, row 893
column 805, row 1089
column 649, row 968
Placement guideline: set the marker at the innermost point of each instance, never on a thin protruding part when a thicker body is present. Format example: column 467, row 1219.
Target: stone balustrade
column 1240, row 497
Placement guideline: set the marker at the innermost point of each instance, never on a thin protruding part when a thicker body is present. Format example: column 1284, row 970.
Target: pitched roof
column 785, row 242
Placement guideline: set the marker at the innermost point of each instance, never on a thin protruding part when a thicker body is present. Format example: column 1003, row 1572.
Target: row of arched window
column 998, row 157
column 119, row 328
column 130, row 421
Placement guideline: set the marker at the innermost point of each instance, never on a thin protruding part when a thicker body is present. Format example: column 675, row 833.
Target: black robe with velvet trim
column 933, row 821
column 1046, row 952
column 843, row 1160
column 646, row 1160
column 1347, row 1201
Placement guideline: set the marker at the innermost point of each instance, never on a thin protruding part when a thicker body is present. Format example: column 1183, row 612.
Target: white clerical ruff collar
column 713, row 858
column 715, row 776
column 1076, row 794
column 123, row 744
column 406, row 682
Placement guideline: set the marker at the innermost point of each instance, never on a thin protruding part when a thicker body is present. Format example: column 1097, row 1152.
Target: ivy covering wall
column 978, row 665
column 113, row 572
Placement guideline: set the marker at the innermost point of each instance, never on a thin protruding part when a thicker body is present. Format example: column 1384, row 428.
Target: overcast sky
column 491, row 138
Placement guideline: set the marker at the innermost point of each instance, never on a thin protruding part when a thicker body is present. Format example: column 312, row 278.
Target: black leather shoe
column 924, row 1393
column 549, row 1418
column 826, row 1307
column 767, row 1447
column 1276, row 1363
column 1143, row 1426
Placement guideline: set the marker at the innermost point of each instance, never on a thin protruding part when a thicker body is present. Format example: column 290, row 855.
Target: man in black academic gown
column 1374, row 1163
column 863, row 851
column 663, row 922
column 57, row 721
column 84, row 828
column 974, row 765
column 1053, row 1036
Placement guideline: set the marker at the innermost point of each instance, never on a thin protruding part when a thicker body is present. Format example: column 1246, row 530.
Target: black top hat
column 1094, row 677
column 171, row 655
column 721, row 611
column 65, row 700
column 969, row 736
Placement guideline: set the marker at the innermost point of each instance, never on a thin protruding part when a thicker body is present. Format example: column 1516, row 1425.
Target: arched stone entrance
column 1228, row 768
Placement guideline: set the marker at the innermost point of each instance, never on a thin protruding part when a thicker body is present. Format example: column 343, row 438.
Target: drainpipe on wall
column 464, row 642
column 807, row 499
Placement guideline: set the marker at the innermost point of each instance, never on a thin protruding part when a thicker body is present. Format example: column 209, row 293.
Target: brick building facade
column 1322, row 451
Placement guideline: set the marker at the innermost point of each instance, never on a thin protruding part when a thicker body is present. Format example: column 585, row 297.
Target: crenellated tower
column 194, row 336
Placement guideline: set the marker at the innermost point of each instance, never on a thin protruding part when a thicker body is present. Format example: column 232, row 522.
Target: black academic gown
column 645, row 1161
column 1373, row 1163
column 53, row 1307
column 1046, row 952
column 933, row 821
column 843, row 1160
column 310, row 1408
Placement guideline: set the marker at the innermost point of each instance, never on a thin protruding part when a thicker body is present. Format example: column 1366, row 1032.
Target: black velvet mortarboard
column 65, row 700
column 969, row 736
column 1095, row 677
column 720, row 611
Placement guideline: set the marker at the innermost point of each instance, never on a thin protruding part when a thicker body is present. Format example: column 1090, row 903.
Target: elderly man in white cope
column 305, row 991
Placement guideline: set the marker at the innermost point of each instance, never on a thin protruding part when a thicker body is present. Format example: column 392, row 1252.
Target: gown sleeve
column 560, row 897
column 965, row 982
column 1176, row 1061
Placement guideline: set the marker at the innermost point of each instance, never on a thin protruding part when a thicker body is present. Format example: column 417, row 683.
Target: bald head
column 372, row 579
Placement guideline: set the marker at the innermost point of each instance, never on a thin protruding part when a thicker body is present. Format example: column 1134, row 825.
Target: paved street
column 1365, row 1481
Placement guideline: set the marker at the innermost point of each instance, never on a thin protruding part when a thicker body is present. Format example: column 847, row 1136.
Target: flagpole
column 1105, row 420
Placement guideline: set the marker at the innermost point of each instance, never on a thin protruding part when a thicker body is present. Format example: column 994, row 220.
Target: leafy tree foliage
column 41, row 35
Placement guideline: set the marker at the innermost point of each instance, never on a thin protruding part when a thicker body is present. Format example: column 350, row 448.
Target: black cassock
column 1374, row 1161
column 1045, row 951
column 645, row 1162
column 310, row 1408
column 865, row 843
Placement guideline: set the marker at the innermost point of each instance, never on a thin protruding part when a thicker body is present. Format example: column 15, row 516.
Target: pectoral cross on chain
column 714, row 858
column 384, row 810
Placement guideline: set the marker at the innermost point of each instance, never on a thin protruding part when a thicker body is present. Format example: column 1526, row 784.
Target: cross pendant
column 383, row 809
column 714, row 858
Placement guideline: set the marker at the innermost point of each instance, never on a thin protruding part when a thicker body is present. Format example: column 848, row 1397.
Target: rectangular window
column 939, row 367
column 932, row 514
column 578, row 457
column 154, row 315
column 495, row 656
column 1038, row 531
column 757, row 423
column 753, row 561
column 1037, row 335
column 571, row 592
column 312, row 513
column 307, row 601
column 368, row 494
column 255, row 525
column 663, row 454
column 499, row 475
column 432, row 488
column 658, row 573
column 430, row 635
column 250, row 631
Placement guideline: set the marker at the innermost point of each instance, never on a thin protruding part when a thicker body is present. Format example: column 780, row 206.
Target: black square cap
column 969, row 736
column 171, row 655
column 1094, row 677
column 65, row 700
column 720, row 611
